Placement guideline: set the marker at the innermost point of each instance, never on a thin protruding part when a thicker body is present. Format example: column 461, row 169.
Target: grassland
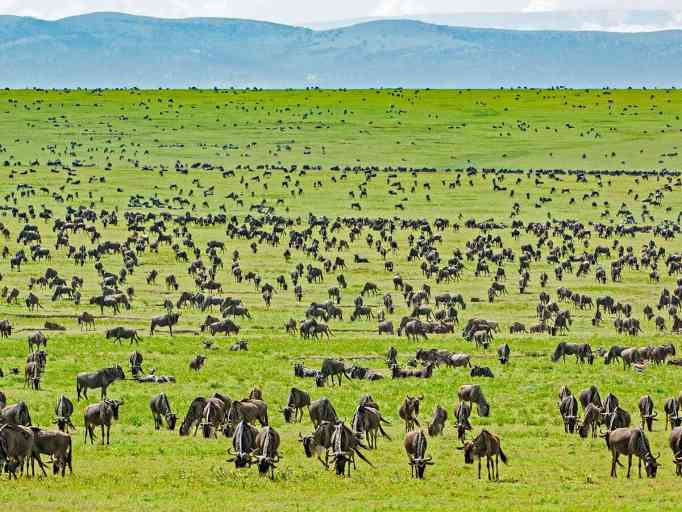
column 249, row 132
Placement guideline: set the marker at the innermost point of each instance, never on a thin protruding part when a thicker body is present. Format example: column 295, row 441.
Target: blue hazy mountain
column 116, row 50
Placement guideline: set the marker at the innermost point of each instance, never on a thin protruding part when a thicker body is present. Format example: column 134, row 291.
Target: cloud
column 542, row 6
column 399, row 8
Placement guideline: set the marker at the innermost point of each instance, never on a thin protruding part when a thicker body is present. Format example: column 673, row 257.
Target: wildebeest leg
column 40, row 464
column 102, row 427
column 629, row 464
column 639, row 466
column 488, row 463
column 103, row 393
column 479, row 468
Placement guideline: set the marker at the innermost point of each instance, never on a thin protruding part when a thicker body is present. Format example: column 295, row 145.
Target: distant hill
column 112, row 50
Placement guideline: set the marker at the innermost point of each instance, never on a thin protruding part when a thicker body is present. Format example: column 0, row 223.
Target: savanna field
column 399, row 155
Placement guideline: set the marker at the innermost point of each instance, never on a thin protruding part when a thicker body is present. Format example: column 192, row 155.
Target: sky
column 308, row 11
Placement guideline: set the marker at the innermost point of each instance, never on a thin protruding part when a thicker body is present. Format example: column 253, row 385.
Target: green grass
column 251, row 130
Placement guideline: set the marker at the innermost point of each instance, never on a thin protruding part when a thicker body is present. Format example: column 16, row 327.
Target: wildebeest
column 17, row 414
column 86, row 321
column 462, row 413
column 415, row 446
column 167, row 320
column 213, row 416
column 296, row 402
column 102, row 415
column 582, row 352
column 485, row 445
column 197, row 363
column 36, row 339
column 345, row 445
column 16, row 446
column 322, row 410
column 675, row 443
column 319, row 442
column 569, row 413
column 437, row 424
column 62, row 412
column 409, row 410
column 55, row 444
column 368, row 419
column 266, row 452
column 98, row 379
column 474, row 394
column 243, row 443
column 193, row 416
column 647, row 412
column 591, row 420
column 503, row 352
column 119, row 333
column 671, row 408
column 631, row 441
column 333, row 368
column 248, row 410
column 161, row 410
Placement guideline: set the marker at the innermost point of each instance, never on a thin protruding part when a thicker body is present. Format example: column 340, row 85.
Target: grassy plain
column 246, row 131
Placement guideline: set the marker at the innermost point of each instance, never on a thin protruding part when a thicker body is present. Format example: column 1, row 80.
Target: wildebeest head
column 468, row 449
column 114, row 404
column 308, row 443
column 420, row 465
column 288, row 413
column 651, row 465
column 172, row 420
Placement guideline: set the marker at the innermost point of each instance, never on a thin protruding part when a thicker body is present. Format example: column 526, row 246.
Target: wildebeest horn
column 460, row 447
column 229, row 451
column 300, row 437
column 654, row 414
column 658, row 456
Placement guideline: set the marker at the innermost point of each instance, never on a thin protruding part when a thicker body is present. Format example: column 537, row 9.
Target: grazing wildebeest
column 319, row 442
column 415, row 446
column 119, row 333
column 647, row 412
column 462, row 413
column 569, row 413
column 481, row 371
column 97, row 379
column 62, row 413
column 675, row 442
column 631, row 441
column 226, row 327
column 333, row 368
column 244, row 444
column 345, row 445
column 590, row 396
column 503, row 353
column 266, row 453
column 136, row 361
column 102, row 415
column 582, row 352
column 485, row 445
column 193, row 416
column 473, row 393
column 5, row 329
column 213, row 416
column 296, row 402
column 161, row 410
column 322, row 410
column 37, row 339
column 167, row 320
column 16, row 414
column 671, row 408
column 591, row 420
column 437, row 424
column 248, row 410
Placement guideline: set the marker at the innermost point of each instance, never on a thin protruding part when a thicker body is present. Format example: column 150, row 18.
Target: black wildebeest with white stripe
column 62, row 412
column 631, row 441
column 345, row 445
column 102, row 415
column 98, row 379
column 296, row 402
column 167, row 320
column 243, row 443
column 568, row 408
column 415, row 446
column 485, row 445
column 266, row 453
column 647, row 412
column 161, row 410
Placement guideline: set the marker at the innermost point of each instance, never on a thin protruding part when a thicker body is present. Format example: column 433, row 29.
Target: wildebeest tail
column 383, row 432
column 503, row 456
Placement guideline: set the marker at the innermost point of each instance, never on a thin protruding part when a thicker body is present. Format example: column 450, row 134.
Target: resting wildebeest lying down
column 119, row 333
column 97, row 379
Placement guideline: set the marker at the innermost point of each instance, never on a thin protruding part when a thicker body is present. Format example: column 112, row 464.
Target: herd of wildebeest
column 315, row 249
